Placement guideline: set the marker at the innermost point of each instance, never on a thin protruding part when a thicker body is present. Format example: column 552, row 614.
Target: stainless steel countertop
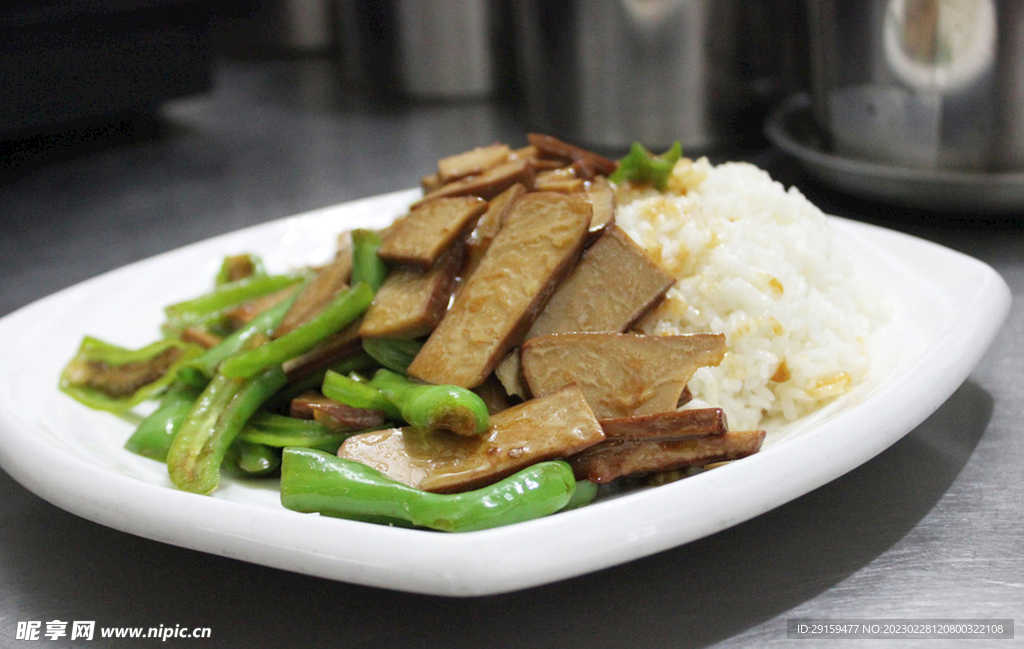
column 931, row 528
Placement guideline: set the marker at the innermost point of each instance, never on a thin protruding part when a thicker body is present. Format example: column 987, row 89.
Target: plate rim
column 496, row 557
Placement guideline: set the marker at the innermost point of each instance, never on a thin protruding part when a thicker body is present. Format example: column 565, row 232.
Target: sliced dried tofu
column 557, row 426
column 610, row 460
column 588, row 162
column 559, row 180
column 327, row 283
column 539, row 244
column 420, row 237
column 490, row 183
column 328, row 351
column 410, row 303
column 666, row 426
column 488, row 225
column 620, row 374
column 602, row 197
column 472, row 162
column 615, row 283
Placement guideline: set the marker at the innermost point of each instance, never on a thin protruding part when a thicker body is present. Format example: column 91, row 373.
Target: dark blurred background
column 79, row 74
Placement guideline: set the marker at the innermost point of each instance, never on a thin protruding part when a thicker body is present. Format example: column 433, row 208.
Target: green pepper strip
column 216, row 418
column 367, row 266
column 154, row 434
column 315, row 481
column 357, row 394
column 198, row 371
column 210, row 306
column 341, row 311
column 252, row 263
column 250, row 460
column 433, row 407
column 80, row 378
column 641, row 166
column 393, row 353
column 280, row 431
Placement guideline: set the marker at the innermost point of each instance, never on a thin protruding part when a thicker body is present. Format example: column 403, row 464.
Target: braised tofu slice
column 328, row 351
column 472, row 162
column 610, row 460
column 590, row 163
column 325, row 285
column 488, row 225
column 335, row 416
column 431, row 227
column 602, row 197
column 615, row 283
column 489, row 183
column 541, row 241
column 620, row 374
column 557, row 426
column 672, row 425
column 559, row 180
column 410, row 303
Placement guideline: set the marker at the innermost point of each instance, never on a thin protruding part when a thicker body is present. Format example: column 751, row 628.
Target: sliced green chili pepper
column 211, row 306
column 214, row 421
column 154, row 434
column 280, row 431
column 586, row 492
column 198, row 371
column 358, row 394
column 315, row 481
column 367, row 266
column 433, row 407
column 393, row 353
column 112, row 378
column 339, row 312
column 236, row 267
column 250, row 459
column 641, row 166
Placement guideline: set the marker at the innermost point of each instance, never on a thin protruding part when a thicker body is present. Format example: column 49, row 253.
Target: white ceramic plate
column 947, row 309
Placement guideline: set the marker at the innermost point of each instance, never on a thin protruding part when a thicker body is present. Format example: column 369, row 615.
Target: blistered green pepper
column 393, row 353
column 211, row 306
column 251, row 460
column 112, row 378
column 357, row 394
column 342, row 310
column 216, row 418
column 198, row 371
column 433, row 407
column 155, row 433
column 367, row 266
column 315, row 481
column 236, row 267
column 279, row 431
column 642, row 166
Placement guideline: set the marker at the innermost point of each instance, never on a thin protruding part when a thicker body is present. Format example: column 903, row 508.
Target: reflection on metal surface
column 608, row 72
column 940, row 44
column 921, row 84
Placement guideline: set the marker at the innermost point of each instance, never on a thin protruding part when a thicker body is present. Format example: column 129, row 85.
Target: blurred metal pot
column 441, row 49
column 608, row 72
column 930, row 84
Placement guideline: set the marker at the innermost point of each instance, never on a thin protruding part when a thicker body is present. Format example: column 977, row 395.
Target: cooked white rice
column 763, row 266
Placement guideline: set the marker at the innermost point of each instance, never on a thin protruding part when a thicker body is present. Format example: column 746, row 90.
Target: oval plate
column 947, row 308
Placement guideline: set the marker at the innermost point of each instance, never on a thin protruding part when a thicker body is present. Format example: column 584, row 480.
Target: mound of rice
column 763, row 266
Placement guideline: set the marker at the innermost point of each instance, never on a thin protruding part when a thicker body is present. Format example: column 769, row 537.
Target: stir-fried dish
column 487, row 358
